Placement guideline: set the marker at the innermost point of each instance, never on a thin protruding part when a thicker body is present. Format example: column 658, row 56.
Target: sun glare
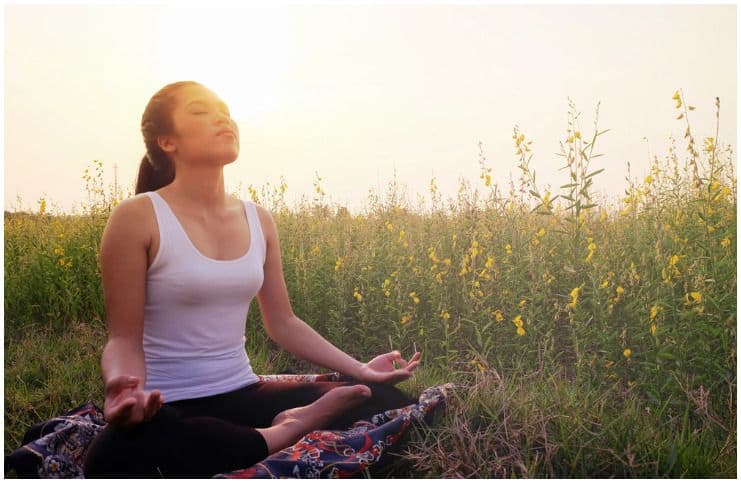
column 241, row 53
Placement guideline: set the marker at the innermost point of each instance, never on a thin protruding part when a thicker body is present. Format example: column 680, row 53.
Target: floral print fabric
column 56, row 448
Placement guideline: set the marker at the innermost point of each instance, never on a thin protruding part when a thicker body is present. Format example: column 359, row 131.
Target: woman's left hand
column 382, row 369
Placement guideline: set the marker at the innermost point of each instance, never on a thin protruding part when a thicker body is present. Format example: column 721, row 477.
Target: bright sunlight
column 191, row 47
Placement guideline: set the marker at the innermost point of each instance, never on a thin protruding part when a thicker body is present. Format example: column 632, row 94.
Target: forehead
column 190, row 94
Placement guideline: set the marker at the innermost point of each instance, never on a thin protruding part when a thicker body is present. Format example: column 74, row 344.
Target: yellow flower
column 498, row 316
column 520, row 331
column 654, row 312
column 487, row 182
column 357, row 295
column 414, row 297
column 508, row 249
column 447, row 261
column 605, row 284
column 445, row 315
column 517, row 321
column 696, row 298
column 406, row 319
column 725, row 243
column 649, row 179
column 61, row 262
column 489, row 262
column 678, row 99
column 546, row 202
column 541, row 232
column 620, row 290
column 574, row 297
column 522, row 303
column 59, row 251
column 338, row 264
column 627, row 352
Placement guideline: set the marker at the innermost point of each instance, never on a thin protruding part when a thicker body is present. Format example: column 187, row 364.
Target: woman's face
column 204, row 132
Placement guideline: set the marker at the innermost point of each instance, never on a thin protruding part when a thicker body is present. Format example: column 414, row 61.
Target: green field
column 587, row 338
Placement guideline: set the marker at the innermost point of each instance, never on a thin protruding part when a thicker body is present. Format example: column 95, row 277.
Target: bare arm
column 123, row 265
column 297, row 337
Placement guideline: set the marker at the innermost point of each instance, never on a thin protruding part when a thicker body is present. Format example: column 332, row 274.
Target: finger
column 400, row 375
column 154, row 404
column 395, row 358
column 412, row 366
column 417, row 356
column 121, row 412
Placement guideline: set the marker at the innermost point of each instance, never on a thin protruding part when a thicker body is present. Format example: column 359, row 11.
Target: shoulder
column 138, row 207
column 133, row 216
column 266, row 220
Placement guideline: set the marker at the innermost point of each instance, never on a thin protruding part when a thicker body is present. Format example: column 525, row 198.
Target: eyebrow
column 202, row 101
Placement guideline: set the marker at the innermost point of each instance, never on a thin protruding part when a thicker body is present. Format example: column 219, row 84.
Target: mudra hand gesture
column 384, row 368
column 127, row 405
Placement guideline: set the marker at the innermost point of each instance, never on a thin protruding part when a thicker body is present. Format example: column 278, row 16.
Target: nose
column 223, row 118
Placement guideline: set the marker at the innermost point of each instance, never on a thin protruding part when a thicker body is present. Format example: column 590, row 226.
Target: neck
column 201, row 187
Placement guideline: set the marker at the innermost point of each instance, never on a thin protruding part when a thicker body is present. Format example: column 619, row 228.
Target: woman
column 180, row 264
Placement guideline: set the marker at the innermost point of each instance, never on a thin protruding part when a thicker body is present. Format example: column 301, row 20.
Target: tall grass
column 587, row 338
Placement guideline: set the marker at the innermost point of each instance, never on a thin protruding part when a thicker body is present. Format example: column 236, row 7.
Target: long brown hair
column 156, row 168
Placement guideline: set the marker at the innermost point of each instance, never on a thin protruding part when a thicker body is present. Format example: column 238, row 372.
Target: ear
column 166, row 144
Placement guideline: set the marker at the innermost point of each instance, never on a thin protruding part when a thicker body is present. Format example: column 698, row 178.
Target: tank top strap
column 167, row 224
column 256, row 234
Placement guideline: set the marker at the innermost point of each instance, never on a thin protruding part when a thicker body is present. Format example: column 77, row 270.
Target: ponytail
column 151, row 178
column 156, row 168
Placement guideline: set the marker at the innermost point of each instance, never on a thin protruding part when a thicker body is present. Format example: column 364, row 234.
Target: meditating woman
column 180, row 263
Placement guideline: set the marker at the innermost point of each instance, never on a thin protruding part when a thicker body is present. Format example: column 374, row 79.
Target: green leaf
column 594, row 173
column 666, row 356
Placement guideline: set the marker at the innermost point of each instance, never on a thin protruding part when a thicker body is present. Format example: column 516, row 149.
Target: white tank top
column 196, row 311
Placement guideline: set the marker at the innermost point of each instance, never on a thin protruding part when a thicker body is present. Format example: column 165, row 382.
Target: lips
column 226, row 131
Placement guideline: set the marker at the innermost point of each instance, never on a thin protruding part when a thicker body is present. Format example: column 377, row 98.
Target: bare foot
column 327, row 407
column 289, row 425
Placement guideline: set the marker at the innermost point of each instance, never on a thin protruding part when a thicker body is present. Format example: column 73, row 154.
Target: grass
column 586, row 338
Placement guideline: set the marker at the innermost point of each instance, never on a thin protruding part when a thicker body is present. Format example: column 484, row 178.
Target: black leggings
column 215, row 434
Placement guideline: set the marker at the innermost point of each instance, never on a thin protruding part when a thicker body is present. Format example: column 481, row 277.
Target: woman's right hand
column 127, row 405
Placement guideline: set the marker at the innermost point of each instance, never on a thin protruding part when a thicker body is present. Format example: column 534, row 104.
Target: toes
column 362, row 390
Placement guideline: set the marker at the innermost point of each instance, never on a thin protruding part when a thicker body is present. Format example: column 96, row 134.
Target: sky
column 359, row 93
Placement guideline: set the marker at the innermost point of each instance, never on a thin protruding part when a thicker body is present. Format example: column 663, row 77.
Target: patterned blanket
column 56, row 448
